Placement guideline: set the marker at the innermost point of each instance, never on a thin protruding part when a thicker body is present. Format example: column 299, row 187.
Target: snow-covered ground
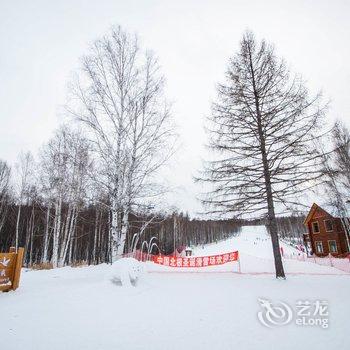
column 80, row 308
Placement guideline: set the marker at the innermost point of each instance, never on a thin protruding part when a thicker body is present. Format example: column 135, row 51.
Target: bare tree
column 262, row 128
column 150, row 142
column 336, row 168
column 341, row 141
column 78, row 162
column 5, row 172
column 118, row 97
column 24, row 167
column 64, row 169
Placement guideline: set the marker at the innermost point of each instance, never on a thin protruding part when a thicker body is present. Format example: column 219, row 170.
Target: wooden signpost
column 10, row 269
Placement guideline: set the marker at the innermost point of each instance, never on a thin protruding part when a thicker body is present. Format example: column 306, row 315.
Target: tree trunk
column 64, row 238
column 47, row 232
column 56, row 233
column 123, row 234
column 71, row 227
column 272, row 223
column 17, row 225
column 114, row 230
column 32, row 220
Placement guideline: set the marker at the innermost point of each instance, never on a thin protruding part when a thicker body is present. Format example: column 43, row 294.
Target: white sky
column 41, row 42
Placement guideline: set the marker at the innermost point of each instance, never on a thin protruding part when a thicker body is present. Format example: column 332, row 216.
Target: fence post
column 330, row 259
column 239, row 263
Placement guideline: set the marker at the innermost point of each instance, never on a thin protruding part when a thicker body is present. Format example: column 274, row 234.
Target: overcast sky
column 41, row 42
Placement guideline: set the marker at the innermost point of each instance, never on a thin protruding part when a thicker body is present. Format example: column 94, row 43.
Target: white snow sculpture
column 126, row 272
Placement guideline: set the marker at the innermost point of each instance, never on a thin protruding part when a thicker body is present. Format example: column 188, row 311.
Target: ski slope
column 256, row 256
column 252, row 240
column 80, row 308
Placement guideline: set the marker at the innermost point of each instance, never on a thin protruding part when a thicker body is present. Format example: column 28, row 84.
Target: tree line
column 90, row 241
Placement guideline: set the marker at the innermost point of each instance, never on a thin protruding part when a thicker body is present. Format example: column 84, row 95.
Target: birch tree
column 64, row 164
column 262, row 132
column 341, row 142
column 76, row 184
column 118, row 98
column 336, row 168
column 54, row 168
column 5, row 172
column 24, row 168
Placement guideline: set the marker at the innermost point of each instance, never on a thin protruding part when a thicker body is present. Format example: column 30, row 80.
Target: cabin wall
column 337, row 234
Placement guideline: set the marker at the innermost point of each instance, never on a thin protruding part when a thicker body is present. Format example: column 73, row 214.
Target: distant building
column 326, row 233
column 188, row 251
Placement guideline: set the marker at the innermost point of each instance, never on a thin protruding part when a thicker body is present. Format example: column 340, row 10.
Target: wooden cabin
column 326, row 234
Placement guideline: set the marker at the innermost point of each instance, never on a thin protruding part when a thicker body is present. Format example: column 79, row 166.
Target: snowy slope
column 80, row 308
column 252, row 240
column 255, row 249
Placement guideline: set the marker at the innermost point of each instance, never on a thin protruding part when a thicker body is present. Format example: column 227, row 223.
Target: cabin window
column 329, row 225
column 315, row 227
column 319, row 247
column 332, row 246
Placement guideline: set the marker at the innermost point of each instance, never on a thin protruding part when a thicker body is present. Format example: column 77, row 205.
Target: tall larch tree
column 263, row 128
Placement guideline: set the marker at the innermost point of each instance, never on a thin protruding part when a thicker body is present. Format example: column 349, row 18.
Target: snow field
column 81, row 308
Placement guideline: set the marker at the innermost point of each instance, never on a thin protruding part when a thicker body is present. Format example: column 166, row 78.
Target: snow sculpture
column 126, row 272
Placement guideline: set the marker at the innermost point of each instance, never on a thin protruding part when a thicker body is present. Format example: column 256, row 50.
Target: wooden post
column 239, row 264
column 330, row 259
column 18, row 268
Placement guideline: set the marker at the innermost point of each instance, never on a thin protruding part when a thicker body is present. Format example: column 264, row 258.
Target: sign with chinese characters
column 199, row 261
column 10, row 269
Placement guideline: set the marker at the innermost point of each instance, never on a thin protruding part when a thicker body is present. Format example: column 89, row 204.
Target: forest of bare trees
column 84, row 236
column 93, row 185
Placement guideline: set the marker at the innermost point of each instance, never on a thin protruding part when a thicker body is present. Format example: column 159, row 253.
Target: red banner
column 195, row 261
